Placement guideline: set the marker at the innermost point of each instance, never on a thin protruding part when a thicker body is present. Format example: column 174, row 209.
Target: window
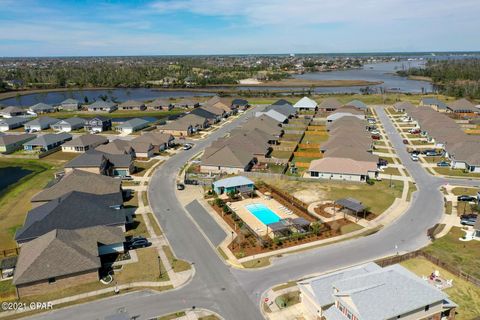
column 51, row 280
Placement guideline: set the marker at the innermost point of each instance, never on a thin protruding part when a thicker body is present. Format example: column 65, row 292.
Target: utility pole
column 159, row 267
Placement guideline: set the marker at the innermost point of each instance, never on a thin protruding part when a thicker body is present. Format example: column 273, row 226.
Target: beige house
column 84, row 143
column 345, row 169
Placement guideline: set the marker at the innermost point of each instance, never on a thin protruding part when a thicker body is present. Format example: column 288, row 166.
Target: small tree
column 316, row 228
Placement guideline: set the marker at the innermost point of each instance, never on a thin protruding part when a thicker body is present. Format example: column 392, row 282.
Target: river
column 384, row 72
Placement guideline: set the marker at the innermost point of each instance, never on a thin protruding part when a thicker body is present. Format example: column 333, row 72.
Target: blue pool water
column 263, row 213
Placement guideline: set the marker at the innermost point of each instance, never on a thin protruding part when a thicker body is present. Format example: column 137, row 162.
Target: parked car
column 414, row 157
column 443, row 164
column 375, row 137
column 405, row 141
column 416, row 152
column 375, row 132
column 414, row 131
column 468, row 222
column 382, row 162
column 138, row 242
column 469, row 216
column 127, row 178
column 466, row 198
column 187, row 146
column 180, row 186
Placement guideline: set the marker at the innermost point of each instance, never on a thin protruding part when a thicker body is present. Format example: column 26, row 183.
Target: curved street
column 235, row 293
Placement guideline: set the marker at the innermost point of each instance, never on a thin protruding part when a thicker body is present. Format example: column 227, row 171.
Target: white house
column 345, row 169
column 70, row 124
column 306, row 104
column 132, row 125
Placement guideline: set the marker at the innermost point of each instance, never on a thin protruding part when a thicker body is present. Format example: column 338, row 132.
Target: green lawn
column 377, row 197
column 313, row 138
column 392, row 171
column 15, row 200
column 288, row 299
column 464, row 255
column 350, row 228
column 455, row 172
column 463, row 293
column 137, row 228
column 281, row 154
column 177, row 265
column 154, row 224
column 118, row 114
column 256, row 263
column 458, row 191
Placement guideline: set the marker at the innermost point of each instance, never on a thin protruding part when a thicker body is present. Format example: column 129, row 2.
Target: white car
column 414, row 157
column 375, row 132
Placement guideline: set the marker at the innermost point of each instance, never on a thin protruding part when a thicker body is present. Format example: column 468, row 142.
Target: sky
column 171, row 27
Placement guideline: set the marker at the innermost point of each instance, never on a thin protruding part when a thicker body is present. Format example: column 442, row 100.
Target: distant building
column 102, row 106
column 132, row 125
column 47, row 142
column 69, row 124
column 10, row 112
column 40, row 108
column 70, row 105
column 11, row 123
column 132, row 105
column 84, row 143
column 12, row 142
column 306, row 104
column 39, row 124
column 98, row 124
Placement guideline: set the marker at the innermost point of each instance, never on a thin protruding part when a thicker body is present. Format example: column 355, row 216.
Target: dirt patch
column 309, row 195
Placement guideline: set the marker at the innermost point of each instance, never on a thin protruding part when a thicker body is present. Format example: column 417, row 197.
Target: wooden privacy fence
column 284, row 147
column 308, row 154
column 309, row 146
column 302, row 164
column 473, row 131
column 9, row 252
column 436, row 261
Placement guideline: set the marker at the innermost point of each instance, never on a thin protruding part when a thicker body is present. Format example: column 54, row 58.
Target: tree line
column 459, row 78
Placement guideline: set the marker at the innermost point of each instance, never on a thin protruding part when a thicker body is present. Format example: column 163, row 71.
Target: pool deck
column 251, row 220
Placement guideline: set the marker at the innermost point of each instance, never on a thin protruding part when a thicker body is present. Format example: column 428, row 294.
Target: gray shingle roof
column 41, row 107
column 42, row 121
column 48, row 139
column 82, row 181
column 86, row 140
column 133, row 123
column 74, row 121
column 73, row 211
column 102, row 104
column 8, row 139
column 63, row 252
column 70, row 101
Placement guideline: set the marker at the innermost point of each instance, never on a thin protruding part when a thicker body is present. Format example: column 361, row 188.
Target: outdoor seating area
column 436, row 280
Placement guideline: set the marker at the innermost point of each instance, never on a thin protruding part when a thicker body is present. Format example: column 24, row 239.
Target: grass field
column 458, row 191
column 377, row 197
column 392, row 171
column 15, row 200
column 177, row 265
column 118, row 114
column 463, row 293
column 281, row 154
column 137, row 228
column 464, row 255
column 455, row 172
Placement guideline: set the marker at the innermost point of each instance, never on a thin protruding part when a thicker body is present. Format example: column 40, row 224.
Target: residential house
column 41, row 107
column 435, row 104
column 132, row 105
column 12, row 142
column 237, row 184
column 94, row 161
column 235, row 154
column 98, row 124
column 187, row 103
column 240, row 104
column 275, row 115
column 82, row 181
column 11, row 123
column 462, row 106
column 142, row 149
column 160, row 141
column 223, row 104
column 102, row 106
column 360, row 105
column 47, row 142
column 132, row 125
column 402, row 106
column 266, row 124
column 349, row 294
column 69, row 124
column 346, row 169
column 210, row 115
column 84, row 143
column 117, row 146
column 10, row 112
column 73, row 211
column 329, row 105
column 185, row 126
column 344, row 112
column 64, row 258
column 39, row 124
column 70, row 105
column 306, row 104
column 282, row 102
column 159, row 104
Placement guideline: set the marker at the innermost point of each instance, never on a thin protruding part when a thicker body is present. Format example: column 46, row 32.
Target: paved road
column 208, row 225
column 235, row 293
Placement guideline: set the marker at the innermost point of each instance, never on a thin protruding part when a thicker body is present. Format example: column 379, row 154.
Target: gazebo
column 285, row 226
column 352, row 205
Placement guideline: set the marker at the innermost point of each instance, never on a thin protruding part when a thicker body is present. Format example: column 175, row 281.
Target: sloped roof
column 236, row 181
column 357, row 104
column 11, row 109
column 62, row 252
column 462, row 105
column 306, row 102
column 42, row 121
column 7, row 139
column 155, row 138
column 117, row 146
column 132, row 103
column 342, row 166
column 281, row 102
column 330, row 103
column 86, row 140
column 13, row 120
column 102, row 104
column 435, row 102
column 159, row 102
column 71, row 121
column 73, row 211
column 41, row 107
column 70, row 101
column 275, row 115
column 48, row 139
column 133, row 123
column 82, row 181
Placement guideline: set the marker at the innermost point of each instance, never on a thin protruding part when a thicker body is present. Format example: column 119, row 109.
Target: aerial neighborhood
column 285, row 176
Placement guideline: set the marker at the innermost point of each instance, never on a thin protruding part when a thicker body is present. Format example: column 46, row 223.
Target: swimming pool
column 263, row 213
